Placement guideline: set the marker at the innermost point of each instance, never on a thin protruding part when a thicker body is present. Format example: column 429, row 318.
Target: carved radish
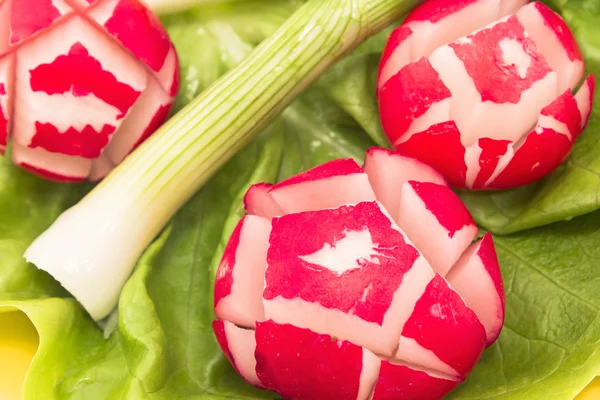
column 82, row 83
column 482, row 90
column 357, row 283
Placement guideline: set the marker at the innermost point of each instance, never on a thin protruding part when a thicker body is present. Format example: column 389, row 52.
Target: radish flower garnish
column 483, row 90
column 357, row 283
column 82, row 83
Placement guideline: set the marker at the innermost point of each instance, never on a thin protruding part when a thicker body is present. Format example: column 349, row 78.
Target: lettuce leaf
column 163, row 347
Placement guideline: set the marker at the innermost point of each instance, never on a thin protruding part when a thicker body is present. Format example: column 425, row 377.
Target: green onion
column 163, row 7
column 92, row 248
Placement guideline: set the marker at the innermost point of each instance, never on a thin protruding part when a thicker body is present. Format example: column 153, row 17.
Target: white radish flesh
column 330, row 185
column 239, row 345
column 240, row 277
column 477, row 278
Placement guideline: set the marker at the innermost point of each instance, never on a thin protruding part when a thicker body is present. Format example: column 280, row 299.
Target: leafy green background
column 163, row 347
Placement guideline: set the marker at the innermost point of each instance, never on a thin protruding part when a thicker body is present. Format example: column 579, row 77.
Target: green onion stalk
column 164, row 7
column 92, row 248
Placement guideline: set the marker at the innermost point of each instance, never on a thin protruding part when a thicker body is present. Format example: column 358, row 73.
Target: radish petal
column 330, row 185
column 301, row 364
column 239, row 283
column 258, row 201
column 398, row 381
column 239, row 345
column 477, row 278
column 388, row 171
column 348, row 272
column 53, row 166
column 442, row 322
column 437, row 222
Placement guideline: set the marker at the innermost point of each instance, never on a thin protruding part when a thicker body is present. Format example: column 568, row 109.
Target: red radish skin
column 440, row 147
column 491, row 155
column 401, row 382
column 300, row 364
column 335, row 293
column 409, row 94
column 258, row 201
column 480, row 264
column 441, row 312
column 117, row 72
column 239, row 283
column 329, row 185
column 499, row 69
